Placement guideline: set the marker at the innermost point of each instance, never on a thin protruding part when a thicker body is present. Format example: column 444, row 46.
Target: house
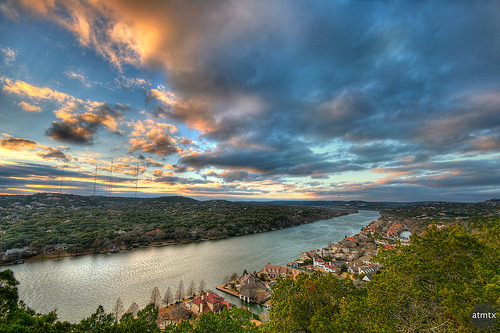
column 274, row 271
column 62, row 247
column 293, row 264
column 318, row 262
column 331, row 267
column 368, row 270
column 14, row 254
column 208, row 302
column 308, row 255
column 352, row 268
column 253, row 290
column 153, row 233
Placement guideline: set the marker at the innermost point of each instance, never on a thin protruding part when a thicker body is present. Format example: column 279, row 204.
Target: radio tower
column 110, row 188
column 62, row 178
column 95, row 182
column 136, row 180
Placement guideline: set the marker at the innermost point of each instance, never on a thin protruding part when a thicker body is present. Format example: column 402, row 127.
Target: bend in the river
column 77, row 285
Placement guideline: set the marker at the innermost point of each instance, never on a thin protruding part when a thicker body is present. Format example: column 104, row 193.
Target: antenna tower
column 62, row 178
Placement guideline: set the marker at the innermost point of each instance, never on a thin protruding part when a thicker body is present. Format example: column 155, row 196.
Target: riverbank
column 63, row 253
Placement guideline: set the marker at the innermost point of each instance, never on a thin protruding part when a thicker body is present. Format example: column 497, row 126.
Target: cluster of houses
column 17, row 255
column 355, row 254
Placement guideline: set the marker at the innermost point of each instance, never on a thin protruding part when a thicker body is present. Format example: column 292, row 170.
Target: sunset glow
column 350, row 100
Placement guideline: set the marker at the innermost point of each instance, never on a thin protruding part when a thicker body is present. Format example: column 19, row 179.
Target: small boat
column 19, row 262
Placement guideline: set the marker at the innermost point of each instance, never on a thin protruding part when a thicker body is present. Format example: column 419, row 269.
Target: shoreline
column 65, row 254
column 228, row 291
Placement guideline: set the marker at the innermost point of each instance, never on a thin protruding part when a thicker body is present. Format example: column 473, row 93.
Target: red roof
column 351, row 239
column 389, row 247
column 213, row 298
column 227, row 304
column 153, row 232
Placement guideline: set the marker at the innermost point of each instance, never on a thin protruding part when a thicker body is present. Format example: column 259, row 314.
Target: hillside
column 356, row 204
column 42, row 221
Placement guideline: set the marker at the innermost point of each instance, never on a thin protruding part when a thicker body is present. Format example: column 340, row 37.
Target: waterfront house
column 308, row 255
column 208, row 302
column 62, row 247
column 274, row 271
column 153, row 233
column 14, row 254
column 253, row 290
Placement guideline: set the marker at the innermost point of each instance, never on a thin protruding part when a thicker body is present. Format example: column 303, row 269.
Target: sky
column 251, row 100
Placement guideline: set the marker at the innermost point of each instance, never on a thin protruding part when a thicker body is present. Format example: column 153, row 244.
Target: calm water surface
column 76, row 286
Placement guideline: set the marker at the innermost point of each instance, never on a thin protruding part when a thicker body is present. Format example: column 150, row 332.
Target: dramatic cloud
column 475, row 125
column 81, row 127
column 355, row 77
column 294, row 161
column 154, row 137
column 278, row 91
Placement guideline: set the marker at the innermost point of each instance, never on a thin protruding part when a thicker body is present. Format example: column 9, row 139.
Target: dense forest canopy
column 42, row 221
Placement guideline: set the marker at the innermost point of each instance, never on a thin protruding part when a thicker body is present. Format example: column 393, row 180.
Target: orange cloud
column 18, row 144
column 153, row 137
column 28, row 107
column 45, row 152
column 25, row 89
column 165, row 35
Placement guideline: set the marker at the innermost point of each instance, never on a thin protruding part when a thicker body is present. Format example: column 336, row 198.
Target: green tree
column 226, row 321
column 98, row 322
column 8, row 293
column 17, row 317
column 434, row 283
column 309, row 304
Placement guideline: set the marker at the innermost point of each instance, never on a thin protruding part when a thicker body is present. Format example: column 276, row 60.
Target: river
column 75, row 286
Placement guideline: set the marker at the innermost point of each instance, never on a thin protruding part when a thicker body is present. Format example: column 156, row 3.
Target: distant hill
column 41, row 221
column 370, row 205
column 366, row 205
